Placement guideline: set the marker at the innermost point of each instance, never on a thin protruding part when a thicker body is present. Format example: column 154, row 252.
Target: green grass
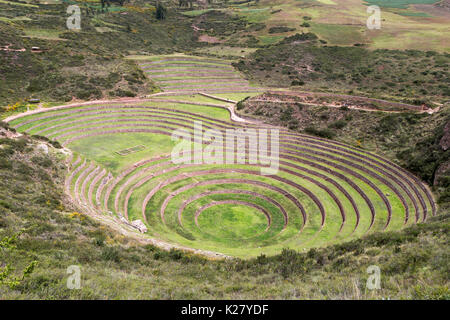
column 235, row 222
column 415, row 14
column 230, row 246
column 364, row 72
column 270, row 39
column 338, row 34
column 102, row 149
column 44, row 34
column 179, row 64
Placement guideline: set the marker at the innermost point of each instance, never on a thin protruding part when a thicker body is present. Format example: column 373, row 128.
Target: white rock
column 138, row 224
column 43, row 147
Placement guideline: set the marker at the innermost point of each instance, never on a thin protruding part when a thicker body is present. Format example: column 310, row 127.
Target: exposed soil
column 209, row 39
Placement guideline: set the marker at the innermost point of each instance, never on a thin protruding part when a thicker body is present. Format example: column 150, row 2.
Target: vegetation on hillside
column 87, row 64
column 413, row 76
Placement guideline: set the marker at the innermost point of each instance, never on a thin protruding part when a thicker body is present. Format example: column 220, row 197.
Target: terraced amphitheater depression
column 121, row 170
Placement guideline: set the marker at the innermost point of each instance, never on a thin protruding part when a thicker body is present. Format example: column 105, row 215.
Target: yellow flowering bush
column 77, row 215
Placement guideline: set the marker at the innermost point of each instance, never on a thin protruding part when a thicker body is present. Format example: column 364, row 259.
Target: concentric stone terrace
column 181, row 74
column 324, row 192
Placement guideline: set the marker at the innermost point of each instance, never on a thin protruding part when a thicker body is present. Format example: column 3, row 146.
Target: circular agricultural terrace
column 324, row 192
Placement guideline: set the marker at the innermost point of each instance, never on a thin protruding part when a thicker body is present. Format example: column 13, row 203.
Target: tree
column 161, row 11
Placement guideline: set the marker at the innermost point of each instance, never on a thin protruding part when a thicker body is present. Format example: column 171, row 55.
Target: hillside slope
column 85, row 64
column 303, row 62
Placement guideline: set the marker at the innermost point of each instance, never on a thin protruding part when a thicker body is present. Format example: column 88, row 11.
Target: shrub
column 297, row 82
column 280, row 29
column 161, row 11
column 110, row 254
column 286, row 115
column 299, row 37
column 338, row 124
column 124, row 93
column 5, row 164
column 42, row 161
column 241, row 104
column 323, row 133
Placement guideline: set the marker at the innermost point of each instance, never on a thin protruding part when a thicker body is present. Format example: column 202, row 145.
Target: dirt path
column 392, row 104
column 429, row 111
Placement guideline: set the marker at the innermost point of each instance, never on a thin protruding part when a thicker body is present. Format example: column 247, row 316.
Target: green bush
column 286, row 114
column 124, row 93
column 110, row 254
column 42, row 161
column 323, row 133
column 339, row 124
column 241, row 104
column 297, row 83
column 280, row 29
